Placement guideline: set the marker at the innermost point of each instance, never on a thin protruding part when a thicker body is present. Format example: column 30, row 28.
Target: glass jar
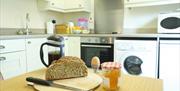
column 111, row 72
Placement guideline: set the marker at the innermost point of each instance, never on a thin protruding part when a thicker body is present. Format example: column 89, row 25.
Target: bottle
column 70, row 26
column 50, row 26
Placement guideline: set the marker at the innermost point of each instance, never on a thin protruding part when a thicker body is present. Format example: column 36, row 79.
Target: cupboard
column 12, row 58
column 140, row 3
column 33, row 53
column 65, row 6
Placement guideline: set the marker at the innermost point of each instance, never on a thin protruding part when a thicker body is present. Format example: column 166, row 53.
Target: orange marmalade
column 111, row 75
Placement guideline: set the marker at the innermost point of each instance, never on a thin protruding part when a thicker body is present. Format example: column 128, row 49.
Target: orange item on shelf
column 62, row 29
column 111, row 75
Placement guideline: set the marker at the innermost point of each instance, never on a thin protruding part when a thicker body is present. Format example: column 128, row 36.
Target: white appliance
column 170, row 64
column 169, row 22
column 138, row 57
column 50, row 27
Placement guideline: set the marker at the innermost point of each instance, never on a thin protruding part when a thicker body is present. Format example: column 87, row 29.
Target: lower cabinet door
column 12, row 64
column 72, row 46
column 33, row 53
column 170, row 64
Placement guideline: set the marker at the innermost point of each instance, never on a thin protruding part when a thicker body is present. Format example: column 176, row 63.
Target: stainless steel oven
column 101, row 47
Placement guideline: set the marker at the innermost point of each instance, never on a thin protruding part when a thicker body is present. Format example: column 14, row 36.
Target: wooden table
column 129, row 83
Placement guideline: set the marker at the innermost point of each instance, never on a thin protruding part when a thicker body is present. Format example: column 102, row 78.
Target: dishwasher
column 169, row 63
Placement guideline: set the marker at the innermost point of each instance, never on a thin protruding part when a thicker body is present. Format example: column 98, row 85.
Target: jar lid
column 110, row 65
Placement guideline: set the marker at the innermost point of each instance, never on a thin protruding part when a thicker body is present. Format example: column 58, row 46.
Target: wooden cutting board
column 86, row 83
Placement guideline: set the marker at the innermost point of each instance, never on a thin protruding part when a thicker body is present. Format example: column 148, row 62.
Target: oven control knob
column 103, row 40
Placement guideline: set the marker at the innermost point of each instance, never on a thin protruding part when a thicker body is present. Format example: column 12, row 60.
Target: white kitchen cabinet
column 170, row 64
column 65, row 6
column 33, row 53
column 12, row 64
column 72, row 46
column 54, row 5
column 12, row 58
column 140, row 3
column 77, row 5
column 12, row 45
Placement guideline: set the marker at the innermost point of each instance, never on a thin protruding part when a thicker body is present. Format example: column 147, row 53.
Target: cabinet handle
column 2, row 47
column 2, row 58
column 128, row 0
column 52, row 3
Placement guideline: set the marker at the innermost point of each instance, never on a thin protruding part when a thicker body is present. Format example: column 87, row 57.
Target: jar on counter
column 111, row 73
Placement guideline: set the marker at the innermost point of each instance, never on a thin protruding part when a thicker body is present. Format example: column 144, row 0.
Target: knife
column 50, row 83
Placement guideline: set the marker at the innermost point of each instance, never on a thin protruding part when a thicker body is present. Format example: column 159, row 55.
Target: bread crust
column 66, row 67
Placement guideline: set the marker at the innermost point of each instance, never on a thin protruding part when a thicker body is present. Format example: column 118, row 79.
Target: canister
column 111, row 73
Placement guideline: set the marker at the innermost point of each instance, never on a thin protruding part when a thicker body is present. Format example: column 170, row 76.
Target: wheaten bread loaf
column 66, row 67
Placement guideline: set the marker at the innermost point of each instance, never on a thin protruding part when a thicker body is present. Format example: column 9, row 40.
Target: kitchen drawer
column 12, row 45
column 12, row 64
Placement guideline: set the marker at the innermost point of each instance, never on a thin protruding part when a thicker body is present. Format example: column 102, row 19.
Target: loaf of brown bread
column 66, row 67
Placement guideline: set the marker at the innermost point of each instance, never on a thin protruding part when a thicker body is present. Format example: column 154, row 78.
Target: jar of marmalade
column 111, row 73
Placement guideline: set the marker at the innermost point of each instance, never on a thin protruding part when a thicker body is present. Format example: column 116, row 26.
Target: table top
column 129, row 83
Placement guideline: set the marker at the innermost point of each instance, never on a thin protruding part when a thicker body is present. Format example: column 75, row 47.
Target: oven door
column 103, row 51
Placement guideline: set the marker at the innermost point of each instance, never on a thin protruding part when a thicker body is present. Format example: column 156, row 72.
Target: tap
column 27, row 31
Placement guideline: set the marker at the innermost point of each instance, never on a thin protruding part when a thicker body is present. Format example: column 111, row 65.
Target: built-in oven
column 101, row 47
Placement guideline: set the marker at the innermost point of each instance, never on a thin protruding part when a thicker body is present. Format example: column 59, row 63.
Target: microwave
column 169, row 22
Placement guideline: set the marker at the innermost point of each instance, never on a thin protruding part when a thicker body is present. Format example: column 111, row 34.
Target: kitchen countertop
column 3, row 37
column 129, row 83
column 92, row 35
column 123, row 35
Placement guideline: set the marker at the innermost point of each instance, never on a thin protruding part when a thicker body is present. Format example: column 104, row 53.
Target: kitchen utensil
column 84, row 83
column 50, row 83
column 54, row 41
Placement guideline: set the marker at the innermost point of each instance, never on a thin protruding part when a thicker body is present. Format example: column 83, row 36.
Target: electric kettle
column 54, row 41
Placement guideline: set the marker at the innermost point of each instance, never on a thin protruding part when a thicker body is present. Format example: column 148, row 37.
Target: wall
column 13, row 16
column 144, row 19
column 75, row 15
column 13, row 13
column 108, row 16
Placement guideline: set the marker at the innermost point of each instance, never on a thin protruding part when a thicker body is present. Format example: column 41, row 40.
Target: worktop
column 92, row 35
column 123, row 35
column 129, row 83
column 3, row 37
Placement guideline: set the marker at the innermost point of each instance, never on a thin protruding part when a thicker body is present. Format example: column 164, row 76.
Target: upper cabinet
column 140, row 3
column 65, row 6
column 77, row 5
